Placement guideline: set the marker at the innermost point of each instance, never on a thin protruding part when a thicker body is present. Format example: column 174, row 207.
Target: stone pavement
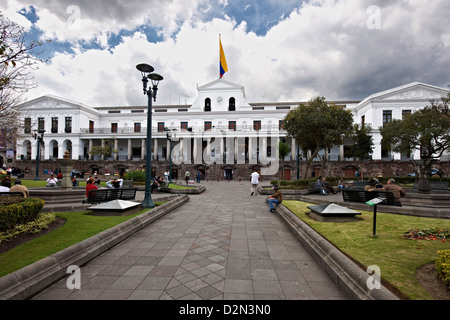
column 222, row 245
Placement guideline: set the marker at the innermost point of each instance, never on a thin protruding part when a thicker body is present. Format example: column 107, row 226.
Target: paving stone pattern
column 221, row 245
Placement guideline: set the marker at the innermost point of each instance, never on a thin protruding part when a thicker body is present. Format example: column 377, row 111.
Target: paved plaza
column 222, row 245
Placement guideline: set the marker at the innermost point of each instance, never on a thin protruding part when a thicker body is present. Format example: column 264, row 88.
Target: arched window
column 207, row 105
column 232, row 104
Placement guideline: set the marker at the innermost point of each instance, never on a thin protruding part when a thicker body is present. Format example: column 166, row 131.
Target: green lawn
column 180, row 187
column 397, row 257
column 78, row 227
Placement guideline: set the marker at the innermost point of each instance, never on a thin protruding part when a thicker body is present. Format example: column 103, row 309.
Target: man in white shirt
column 51, row 182
column 254, row 181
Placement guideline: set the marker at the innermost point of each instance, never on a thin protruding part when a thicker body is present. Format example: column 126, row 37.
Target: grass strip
column 398, row 258
column 78, row 227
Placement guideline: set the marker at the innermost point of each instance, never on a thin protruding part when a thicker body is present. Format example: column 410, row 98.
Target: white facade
column 219, row 123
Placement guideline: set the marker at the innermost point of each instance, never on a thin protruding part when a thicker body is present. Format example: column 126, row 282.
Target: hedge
column 20, row 213
column 303, row 183
column 443, row 266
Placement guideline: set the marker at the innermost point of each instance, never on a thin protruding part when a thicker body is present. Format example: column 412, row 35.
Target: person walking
column 187, row 175
column 254, row 182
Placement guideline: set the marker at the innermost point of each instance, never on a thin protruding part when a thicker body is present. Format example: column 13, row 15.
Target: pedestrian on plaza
column 276, row 198
column 254, row 181
column 97, row 181
column 199, row 175
column 90, row 185
column 187, row 175
column 52, row 181
column 18, row 187
column 166, row 176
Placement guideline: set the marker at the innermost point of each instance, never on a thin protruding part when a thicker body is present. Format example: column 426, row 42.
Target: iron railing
column 198, row 129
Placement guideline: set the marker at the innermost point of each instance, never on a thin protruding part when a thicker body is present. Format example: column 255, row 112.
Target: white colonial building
column 219, row 130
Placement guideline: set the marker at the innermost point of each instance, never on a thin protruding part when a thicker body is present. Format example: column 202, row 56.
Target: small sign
column 374, row 201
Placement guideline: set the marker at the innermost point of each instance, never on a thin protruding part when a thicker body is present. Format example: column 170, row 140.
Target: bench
column 106, row 195
column 363, row 196
column 359, row 185
column 12, row 194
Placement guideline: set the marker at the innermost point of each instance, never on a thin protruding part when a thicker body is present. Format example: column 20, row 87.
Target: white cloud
column 324, row 48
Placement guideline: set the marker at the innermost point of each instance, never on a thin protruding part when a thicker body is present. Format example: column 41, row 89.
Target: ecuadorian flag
column 223, row 61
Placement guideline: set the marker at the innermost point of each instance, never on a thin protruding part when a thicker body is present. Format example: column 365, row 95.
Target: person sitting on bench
column 115, row 184
column 397, row 191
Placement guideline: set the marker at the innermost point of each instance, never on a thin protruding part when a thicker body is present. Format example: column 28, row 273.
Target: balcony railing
column 198, row 129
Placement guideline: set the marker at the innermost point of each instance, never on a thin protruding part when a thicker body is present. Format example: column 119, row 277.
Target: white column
column 143, row 144
column 130, row 149
column 155, row 150
column 116, row 147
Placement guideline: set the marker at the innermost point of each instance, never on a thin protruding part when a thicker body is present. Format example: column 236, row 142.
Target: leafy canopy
column 318, row 125
column 427, row 130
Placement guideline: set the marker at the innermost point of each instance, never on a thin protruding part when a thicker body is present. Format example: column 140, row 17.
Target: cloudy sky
column 288, row 50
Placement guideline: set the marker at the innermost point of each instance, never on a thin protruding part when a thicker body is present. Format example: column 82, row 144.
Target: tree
column 104, row 150
column 284, row 150
column 362, row 147
column 17, row 57
column 318, row 125
column 426, row 130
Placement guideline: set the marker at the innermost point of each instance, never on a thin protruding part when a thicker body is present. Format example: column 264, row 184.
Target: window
column 113, row 127
column 232, row 125
column 55, row 125
column 27, row 125
column 387, row 116
column 184, row 126
column 208, row 125
column 257, row 125
column 161, row 126
column 68, row 126
column 207, row 105
column 363, row 120
column 232, row 105
column 137, row 127
column 41, row 124
column 281, row 125
column 405, row 113
column 91, row 126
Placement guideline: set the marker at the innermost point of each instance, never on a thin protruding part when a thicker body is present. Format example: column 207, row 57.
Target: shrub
column 443, row 266
column 136, row 176
column 20, row 213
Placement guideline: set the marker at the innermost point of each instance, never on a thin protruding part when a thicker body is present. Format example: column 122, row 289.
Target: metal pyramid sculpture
column 333, row 210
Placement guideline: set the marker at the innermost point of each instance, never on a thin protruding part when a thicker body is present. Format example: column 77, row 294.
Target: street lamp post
column 146, row 71
column 39, row 136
